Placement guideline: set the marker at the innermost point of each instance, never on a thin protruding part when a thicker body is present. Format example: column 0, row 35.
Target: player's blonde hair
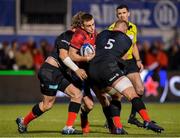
column 76, row 19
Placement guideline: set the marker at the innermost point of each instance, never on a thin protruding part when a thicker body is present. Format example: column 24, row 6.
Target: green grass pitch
column 51, row 123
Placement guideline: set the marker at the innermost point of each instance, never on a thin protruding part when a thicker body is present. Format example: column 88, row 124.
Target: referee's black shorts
column 131, row 66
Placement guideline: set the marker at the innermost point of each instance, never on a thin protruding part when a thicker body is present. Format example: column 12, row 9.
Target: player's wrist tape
column 68, row 62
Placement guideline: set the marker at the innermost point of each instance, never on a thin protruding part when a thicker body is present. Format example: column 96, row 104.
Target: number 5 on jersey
column 110, row 44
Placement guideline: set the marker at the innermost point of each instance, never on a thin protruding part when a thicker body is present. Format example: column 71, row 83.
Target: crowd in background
column 23, row 56
column 154, row 56
column 31, row 54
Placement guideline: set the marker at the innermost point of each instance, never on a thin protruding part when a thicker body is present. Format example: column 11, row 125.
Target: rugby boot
column 21, row 127
column 118, row 131
column 70, row 131
column 135, row 121
column 153, row 126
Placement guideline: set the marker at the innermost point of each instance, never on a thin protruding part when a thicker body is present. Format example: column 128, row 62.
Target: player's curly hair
column 76, row 19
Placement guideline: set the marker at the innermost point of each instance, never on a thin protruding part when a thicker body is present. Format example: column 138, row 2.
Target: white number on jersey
column 109, row 44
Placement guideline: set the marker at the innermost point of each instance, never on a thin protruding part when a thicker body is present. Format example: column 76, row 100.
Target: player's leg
column 48, row 93
column 115, row 107
column 102, row 75
column 87, row 101
column 139, row 88
column 124, row 86
column 105, row 103
column 73, row 109
column 113, row 97
column 111, row 110
column 134, row 76
column 38, row 109
column 86, row 107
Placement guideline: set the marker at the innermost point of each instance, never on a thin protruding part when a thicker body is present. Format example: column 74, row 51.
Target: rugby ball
column 86, row 49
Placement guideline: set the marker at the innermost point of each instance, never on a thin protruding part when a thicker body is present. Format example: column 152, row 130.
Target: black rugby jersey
column 62, row 42
column 111, row 44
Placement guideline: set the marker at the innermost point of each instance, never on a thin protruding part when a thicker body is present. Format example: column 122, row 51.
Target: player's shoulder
column 69, row 32
column 104, row 33
column 65, row 34
column 80, row 33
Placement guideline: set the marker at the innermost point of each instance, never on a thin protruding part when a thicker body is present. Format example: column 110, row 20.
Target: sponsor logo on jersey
column 115, row 76
column 53, row 87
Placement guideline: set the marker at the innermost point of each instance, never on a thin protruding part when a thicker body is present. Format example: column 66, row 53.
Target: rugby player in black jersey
column 106, row 69
column 53, row 77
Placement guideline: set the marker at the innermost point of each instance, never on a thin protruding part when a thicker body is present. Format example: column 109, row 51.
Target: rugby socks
column 115, row 107
column 143, row 113
column 36, row 111
column 107, row 113
column 133, row 110
column 138, row 104
column 117, row 121
column 72, row 113
column 84, row 113
column 29, row 117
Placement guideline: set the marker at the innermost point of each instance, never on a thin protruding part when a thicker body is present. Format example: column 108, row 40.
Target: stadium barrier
column 24, row 88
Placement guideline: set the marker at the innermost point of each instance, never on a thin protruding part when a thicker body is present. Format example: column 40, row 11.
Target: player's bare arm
column 63, row 54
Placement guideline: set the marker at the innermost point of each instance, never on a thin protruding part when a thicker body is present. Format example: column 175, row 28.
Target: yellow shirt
column 132, row 33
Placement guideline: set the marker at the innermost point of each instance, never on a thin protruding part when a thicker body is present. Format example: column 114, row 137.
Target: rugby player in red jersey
column 84, row 34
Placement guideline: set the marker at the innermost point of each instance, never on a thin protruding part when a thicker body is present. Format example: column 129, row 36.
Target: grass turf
column 51, row 123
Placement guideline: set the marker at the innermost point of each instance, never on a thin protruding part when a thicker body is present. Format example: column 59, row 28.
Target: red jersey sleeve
column 77, row 40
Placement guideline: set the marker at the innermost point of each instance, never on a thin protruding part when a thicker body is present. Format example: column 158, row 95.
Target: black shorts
column 104, row 73
column 131, row 66
column 84, row 86
column 52, row 79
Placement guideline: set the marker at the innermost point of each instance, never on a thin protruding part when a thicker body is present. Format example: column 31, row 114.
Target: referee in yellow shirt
column 134, row 64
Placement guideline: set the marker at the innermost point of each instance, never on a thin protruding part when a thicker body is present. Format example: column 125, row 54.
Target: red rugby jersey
column 81, row 37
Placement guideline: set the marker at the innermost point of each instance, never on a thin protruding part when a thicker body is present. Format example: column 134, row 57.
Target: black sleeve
column 62, row 43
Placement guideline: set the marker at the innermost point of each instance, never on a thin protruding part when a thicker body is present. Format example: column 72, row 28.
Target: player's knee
column 117, row 96
column 140, row 90
column 90, row 105
column 76, row 94
column 47, row 105
column 73, row 92
column 104, row 101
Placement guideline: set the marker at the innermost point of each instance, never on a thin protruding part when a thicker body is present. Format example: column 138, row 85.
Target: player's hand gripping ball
column 86, row 49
